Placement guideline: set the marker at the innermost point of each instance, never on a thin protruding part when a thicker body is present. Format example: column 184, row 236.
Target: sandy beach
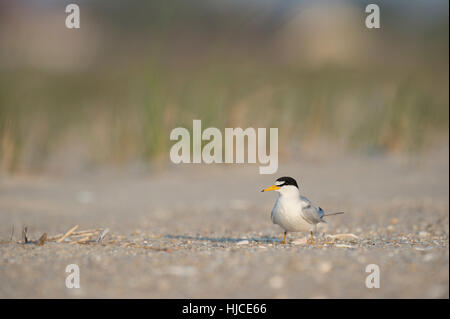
column 205, row 232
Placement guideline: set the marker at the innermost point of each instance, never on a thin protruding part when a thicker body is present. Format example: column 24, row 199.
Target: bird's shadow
column 225, row 239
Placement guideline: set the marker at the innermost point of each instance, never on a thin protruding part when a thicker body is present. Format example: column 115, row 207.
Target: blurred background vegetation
column 110, row 92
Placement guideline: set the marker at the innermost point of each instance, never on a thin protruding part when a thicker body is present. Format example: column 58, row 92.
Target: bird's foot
column 312, row 239
column 284, row 238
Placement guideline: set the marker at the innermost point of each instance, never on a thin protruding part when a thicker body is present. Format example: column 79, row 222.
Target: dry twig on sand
column 83, row 240
column 76, row 237
column 67, row 234
column 134, row 245
column 24, row 235
column 82, row 236
column 42, row 239
column 76, row 234
column 102, row 235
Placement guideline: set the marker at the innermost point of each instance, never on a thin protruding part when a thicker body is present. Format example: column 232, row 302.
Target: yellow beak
column 271, row 188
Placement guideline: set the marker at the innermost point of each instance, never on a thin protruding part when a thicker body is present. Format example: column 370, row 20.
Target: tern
column 294, row 212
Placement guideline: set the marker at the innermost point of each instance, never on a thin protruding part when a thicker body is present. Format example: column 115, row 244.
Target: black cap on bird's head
column 286, row 180
column 280, row 182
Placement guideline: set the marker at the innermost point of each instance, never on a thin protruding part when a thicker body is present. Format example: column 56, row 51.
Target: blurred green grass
column 124, row 114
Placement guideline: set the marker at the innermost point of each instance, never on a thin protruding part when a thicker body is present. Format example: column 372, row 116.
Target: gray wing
column 312, row 214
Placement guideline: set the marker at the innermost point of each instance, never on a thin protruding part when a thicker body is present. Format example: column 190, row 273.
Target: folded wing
column 312, row 214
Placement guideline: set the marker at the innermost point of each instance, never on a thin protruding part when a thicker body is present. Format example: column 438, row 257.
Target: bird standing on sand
column 293, row 212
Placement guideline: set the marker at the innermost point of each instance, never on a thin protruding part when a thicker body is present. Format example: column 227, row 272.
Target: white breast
column 287, row 214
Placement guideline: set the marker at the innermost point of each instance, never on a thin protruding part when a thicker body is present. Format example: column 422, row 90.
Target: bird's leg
column 284, row 238
column 312, row 238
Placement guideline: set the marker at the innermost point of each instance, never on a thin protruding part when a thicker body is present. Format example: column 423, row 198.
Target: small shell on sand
column 344, row 237
column 343, row 246
column 300, row 241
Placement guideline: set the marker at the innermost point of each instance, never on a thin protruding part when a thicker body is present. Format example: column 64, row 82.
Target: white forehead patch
column 278, row 183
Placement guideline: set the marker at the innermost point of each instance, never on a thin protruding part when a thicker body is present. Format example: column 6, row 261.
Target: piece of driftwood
column 67, row 234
